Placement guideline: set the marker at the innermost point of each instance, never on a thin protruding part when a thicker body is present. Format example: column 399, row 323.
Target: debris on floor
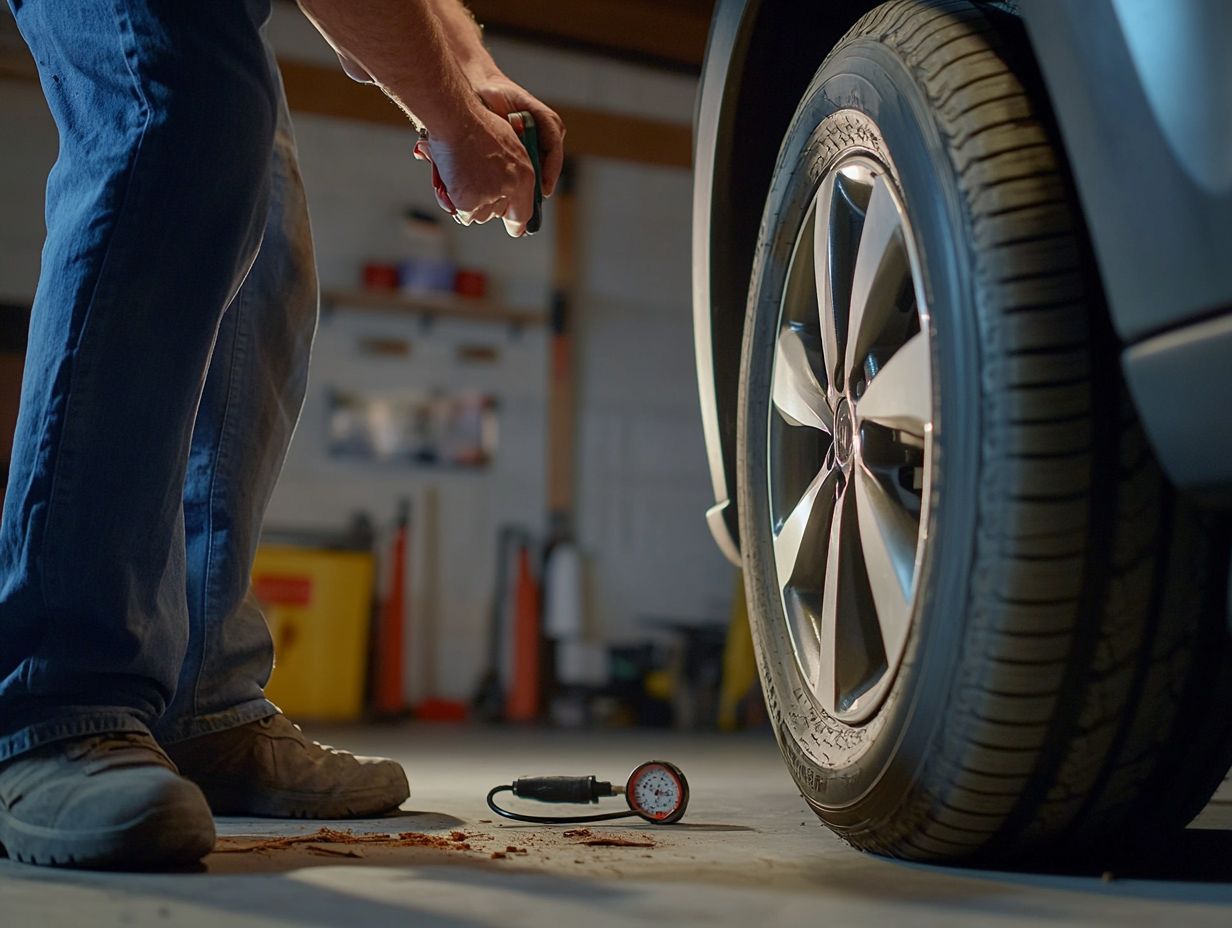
column 326, row 851
column 320, row 840
column 330, row 842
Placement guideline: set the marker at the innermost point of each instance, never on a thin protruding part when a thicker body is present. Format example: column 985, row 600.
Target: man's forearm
column 407, row 48
column 428, row 56
column 464, row 38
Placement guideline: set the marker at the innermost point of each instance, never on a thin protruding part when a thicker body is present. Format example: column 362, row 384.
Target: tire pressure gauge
column 656, row 791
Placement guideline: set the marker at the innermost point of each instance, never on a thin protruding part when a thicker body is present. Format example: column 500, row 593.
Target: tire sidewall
column 852, row 774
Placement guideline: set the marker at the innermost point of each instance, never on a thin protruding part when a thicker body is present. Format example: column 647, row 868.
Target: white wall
column 642, row 480
column 318, row 492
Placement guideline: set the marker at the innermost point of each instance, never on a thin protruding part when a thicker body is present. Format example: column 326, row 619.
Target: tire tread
column 1073, row 690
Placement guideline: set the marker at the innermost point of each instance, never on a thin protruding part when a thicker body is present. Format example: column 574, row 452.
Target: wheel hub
column 844, row 433
column 850, row 451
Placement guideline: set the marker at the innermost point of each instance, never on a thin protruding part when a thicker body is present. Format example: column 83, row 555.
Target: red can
column 379, row 276
column 470, row 282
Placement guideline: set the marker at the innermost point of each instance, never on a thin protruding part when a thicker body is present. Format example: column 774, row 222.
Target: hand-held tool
column 656, row 791
column 524, row 125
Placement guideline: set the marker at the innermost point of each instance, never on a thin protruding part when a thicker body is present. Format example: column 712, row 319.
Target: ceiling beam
column 669, row 33
column 326, row 91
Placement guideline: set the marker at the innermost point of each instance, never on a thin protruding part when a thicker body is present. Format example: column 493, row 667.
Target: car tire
column 1060, row 675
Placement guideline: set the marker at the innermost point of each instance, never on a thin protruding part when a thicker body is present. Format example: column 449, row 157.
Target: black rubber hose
column 550, row 819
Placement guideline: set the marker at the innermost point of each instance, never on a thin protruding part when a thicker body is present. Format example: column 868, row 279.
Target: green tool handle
column 529, row 134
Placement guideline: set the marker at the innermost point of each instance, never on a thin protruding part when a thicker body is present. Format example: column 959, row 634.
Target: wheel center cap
column 844, row 432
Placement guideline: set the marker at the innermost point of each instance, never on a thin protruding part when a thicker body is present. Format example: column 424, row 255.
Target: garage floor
column 748, row 854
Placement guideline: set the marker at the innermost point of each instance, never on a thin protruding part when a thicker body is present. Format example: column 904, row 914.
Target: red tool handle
column 438, row 185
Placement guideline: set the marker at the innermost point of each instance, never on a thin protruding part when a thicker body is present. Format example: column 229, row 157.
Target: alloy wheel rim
column 850, row 439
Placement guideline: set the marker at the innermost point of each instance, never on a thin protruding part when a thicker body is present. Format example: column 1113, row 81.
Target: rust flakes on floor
column 322, row 841
column 330, row 842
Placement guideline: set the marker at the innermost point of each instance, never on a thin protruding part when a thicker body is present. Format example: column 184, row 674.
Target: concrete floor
column 748, row 853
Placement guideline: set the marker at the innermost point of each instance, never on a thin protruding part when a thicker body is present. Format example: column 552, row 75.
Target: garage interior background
column 640, row 483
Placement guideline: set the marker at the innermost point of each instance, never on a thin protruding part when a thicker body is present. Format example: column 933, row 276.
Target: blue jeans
column 165, row 371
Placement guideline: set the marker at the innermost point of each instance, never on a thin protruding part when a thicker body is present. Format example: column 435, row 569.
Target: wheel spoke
column 803, row 530
column 852, row 383
column 823, row 220
column 797, row 393
column 880, row 268
column 888, row 536
column 900, row 396
column 826, row 682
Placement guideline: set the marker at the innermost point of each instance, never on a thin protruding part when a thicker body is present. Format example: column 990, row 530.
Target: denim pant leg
column 155, row 208
column 252, row 400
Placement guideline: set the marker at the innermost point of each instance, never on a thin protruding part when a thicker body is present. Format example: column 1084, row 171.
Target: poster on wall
column 412, row 428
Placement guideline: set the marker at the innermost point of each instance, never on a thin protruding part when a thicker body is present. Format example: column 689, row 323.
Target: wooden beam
column 17, row 65
column 14, row 322
column 626, row 138
column 326, row 91
column 562, row 398
column 672, row 33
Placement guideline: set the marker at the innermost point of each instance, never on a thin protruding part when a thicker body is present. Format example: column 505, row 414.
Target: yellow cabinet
column 318, row 604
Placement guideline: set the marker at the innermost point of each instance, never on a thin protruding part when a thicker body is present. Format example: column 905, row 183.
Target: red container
column 380, row 276
column 470, row 282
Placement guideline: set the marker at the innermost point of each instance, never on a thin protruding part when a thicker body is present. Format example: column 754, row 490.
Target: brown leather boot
column 269, row 768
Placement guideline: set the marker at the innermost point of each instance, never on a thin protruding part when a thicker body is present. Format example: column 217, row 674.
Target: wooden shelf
column 430, row 306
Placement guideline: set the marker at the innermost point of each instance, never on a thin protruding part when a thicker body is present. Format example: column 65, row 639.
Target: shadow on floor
column 1194, row 867
column 396, row 821
column 291, row 899
column 1198, row 855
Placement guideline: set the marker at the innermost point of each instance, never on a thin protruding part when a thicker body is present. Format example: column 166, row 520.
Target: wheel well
column 769, row 73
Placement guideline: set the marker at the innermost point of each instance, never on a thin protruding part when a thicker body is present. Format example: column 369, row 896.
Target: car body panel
column 710, row 169
column 752, row 78
column 1143, row 101
column 1180, row 383
column 1142, row 93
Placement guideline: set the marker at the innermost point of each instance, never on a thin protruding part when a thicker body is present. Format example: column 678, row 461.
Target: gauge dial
column 658, row 792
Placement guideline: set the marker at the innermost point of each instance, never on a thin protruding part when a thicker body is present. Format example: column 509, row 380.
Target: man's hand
column 499, row 93
column 484, row 169
column 502, row 96
column 428, row 56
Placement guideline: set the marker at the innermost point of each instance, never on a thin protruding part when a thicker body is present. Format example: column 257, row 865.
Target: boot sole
column 163, row 837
